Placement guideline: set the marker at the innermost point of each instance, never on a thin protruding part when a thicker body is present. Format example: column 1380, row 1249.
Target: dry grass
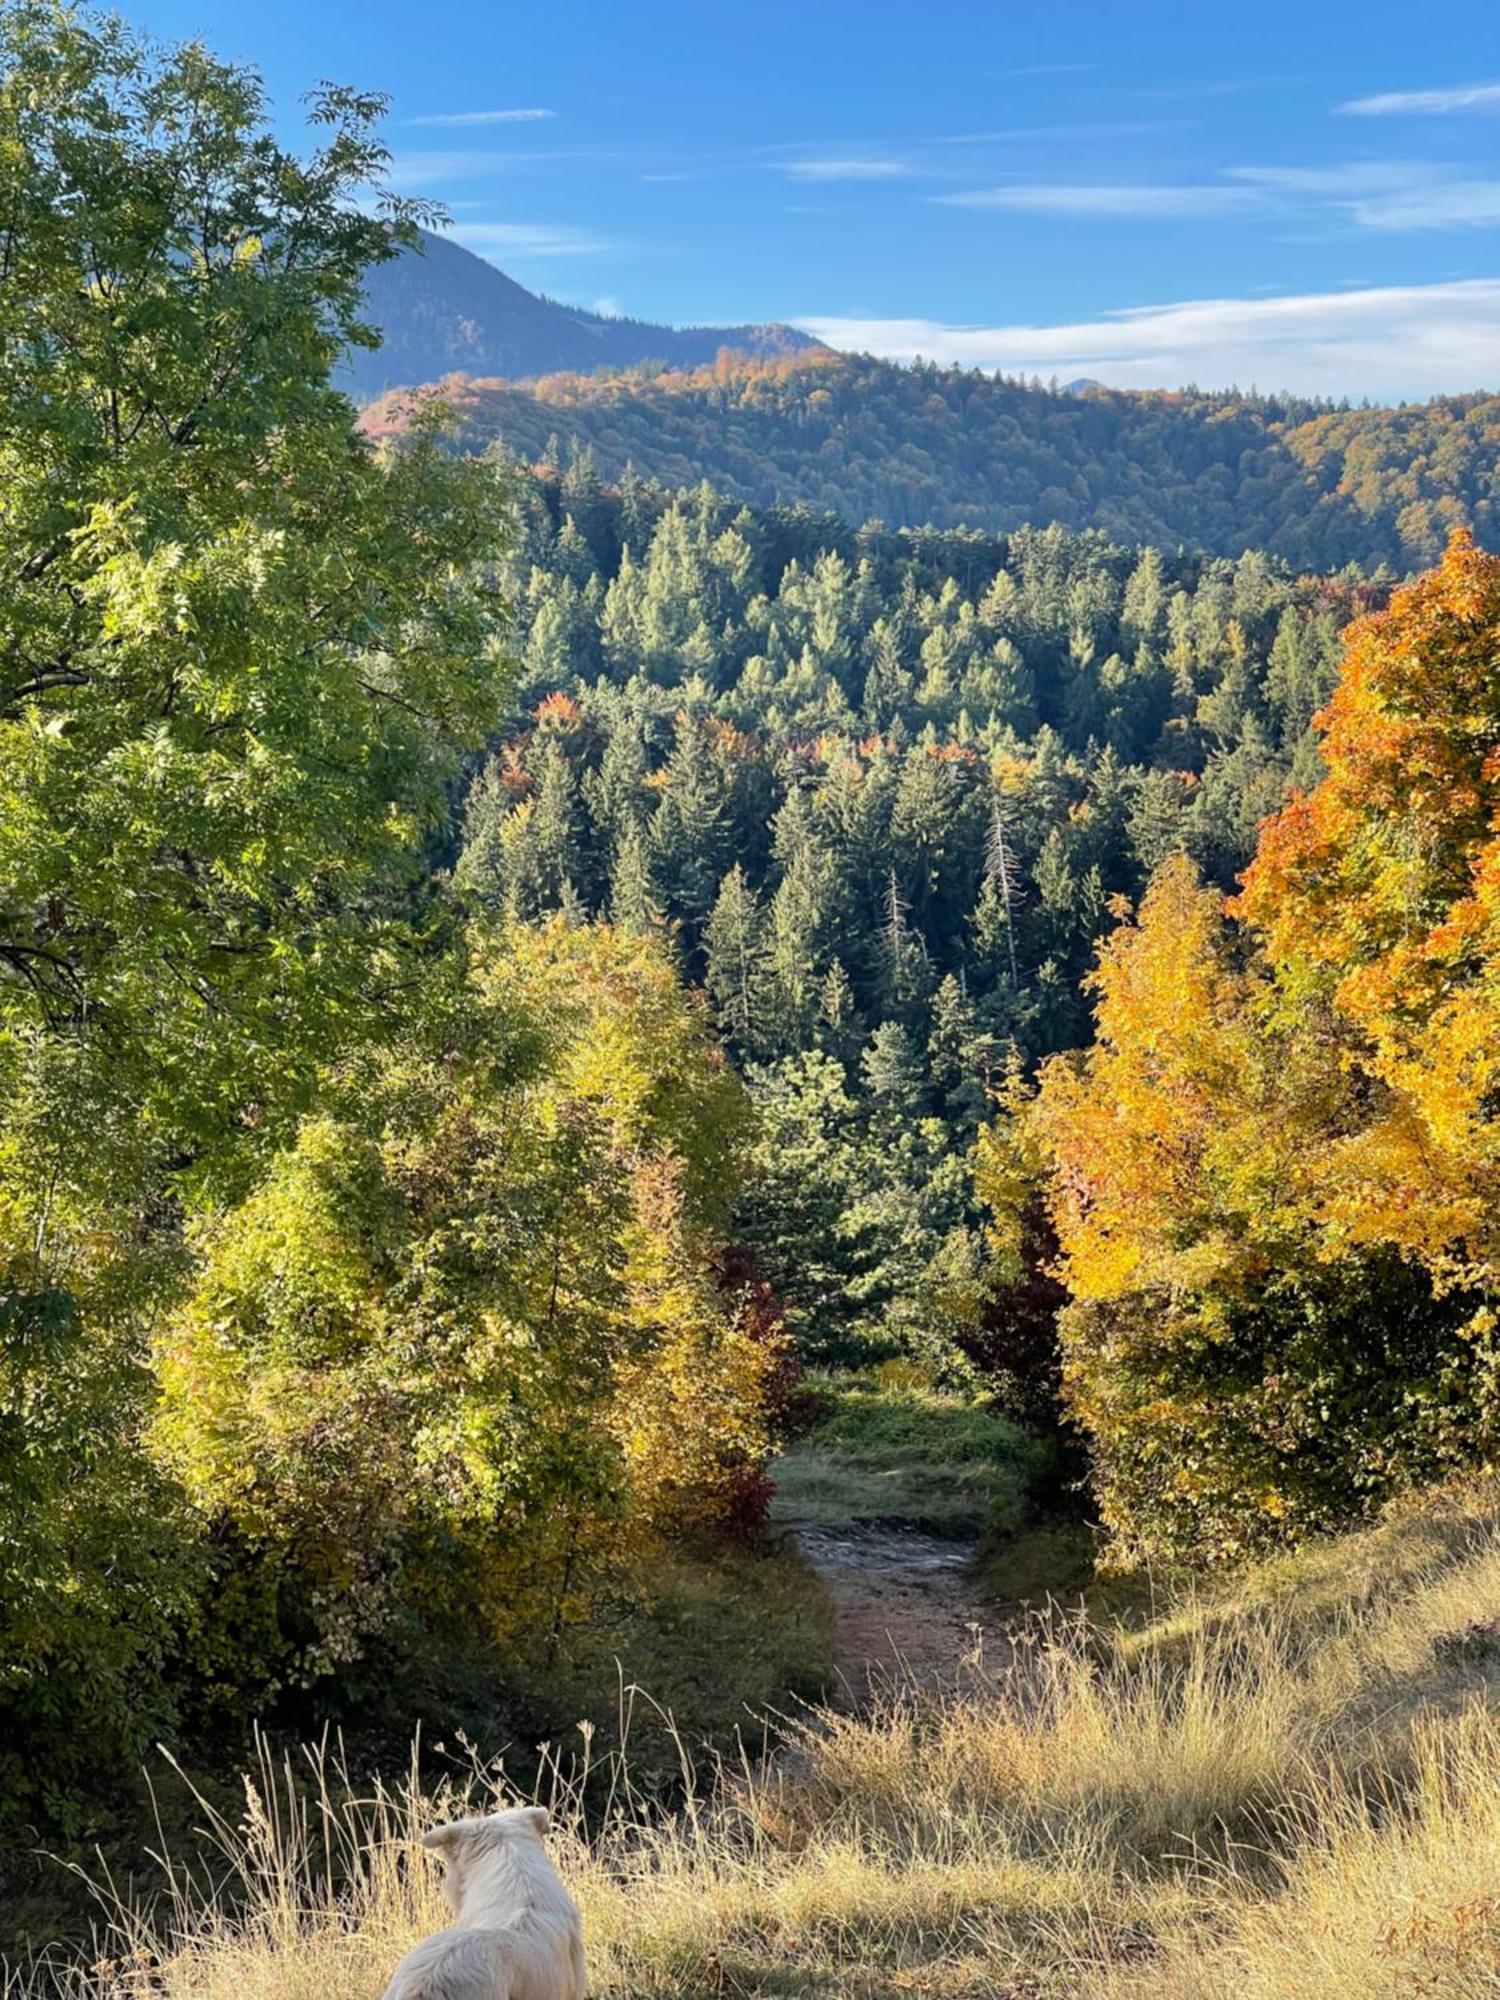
column 1286, row 1791
column 1387, row 1905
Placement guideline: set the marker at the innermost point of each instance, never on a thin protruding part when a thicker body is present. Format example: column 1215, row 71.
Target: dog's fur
column 517, row 1934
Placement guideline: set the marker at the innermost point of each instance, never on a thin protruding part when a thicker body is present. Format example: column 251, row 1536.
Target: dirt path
column 905, row 1603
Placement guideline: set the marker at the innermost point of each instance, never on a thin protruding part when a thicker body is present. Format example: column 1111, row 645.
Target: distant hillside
column 442, row 309
column 867, row 439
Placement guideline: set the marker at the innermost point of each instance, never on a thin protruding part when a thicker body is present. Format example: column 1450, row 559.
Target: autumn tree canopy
column 1377, row 898
column 1273, row 1175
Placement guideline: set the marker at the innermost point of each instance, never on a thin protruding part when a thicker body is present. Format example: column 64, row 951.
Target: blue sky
column 1302, row 196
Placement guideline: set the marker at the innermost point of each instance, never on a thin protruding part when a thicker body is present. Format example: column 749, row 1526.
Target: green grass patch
column 1049, row 1562
column 887, row 1447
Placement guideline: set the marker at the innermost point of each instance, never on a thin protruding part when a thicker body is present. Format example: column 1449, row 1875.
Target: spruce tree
column 735, row 961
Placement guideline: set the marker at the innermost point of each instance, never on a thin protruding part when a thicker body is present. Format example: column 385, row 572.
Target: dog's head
column 463, row 1845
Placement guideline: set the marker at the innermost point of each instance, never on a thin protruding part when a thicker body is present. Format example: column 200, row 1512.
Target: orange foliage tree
column 1377, row 898
column 1227, row 1377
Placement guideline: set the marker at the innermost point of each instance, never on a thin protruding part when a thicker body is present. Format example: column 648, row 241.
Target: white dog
column 517, row 1933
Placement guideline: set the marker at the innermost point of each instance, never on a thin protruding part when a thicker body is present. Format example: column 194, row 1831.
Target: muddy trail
column 907, row 1606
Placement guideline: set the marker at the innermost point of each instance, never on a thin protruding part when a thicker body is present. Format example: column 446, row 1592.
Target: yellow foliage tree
column 465, row 1349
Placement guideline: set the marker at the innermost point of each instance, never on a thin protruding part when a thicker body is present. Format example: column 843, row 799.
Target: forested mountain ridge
column 440, row 308
column 1317, row 486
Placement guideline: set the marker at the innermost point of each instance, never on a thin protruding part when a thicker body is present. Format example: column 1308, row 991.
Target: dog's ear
column 540, row 1818
column 446, row 1840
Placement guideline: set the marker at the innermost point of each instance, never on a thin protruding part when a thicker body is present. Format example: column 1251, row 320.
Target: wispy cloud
column 1425, row 103
column 528, row 239
column 1101, row 129
column 1345, row 177
column 851, row 167
column 1233, row 86
column 527, row 117
column 1105, row 199
column 410, row 173
column 1385, row 195
column 1446, row 205
column 1384, row 342
column 421, row 169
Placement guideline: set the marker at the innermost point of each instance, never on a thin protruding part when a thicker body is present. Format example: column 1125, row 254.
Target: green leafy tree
column 462, row 1349
column 242, row 650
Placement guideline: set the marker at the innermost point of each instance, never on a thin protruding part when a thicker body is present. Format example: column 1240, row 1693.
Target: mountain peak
column 444, row 311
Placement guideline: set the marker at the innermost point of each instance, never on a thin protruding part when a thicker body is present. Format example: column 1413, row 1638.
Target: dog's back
column 518, row 1935
column 455, row 1965
column 473, row 1964
column 493, row 1965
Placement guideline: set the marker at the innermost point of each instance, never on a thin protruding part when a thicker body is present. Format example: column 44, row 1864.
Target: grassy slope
column 1285, row 1790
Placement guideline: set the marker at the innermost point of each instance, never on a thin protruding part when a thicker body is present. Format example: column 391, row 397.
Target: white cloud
column 1384, row 342
column 1098, row 129
column 1447, row 205
column 1371, row 194
column 852, row 168
column 1399, row 103
column 1350, row 177
column 1230, row 86
column 527, row 239
column 1048, row 198
column 528, row 117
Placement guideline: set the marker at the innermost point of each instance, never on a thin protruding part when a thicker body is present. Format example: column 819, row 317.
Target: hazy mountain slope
column 443, row 309
column 864, row 438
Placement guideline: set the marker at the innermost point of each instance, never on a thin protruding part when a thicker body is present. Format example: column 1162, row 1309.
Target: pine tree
column 906, row 970
column 1142, row 613
column 960, row 1054
column 803, row 926
column 888, row 685
column 736, row 961
column 691, row 833
column 554, row 830
column 616, row 791
column 481, row 863
column 891, row 1067
column 1002, row 876
column 1157, row 820
column 573, row 557
column 634, row 903
column 838, row 1016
